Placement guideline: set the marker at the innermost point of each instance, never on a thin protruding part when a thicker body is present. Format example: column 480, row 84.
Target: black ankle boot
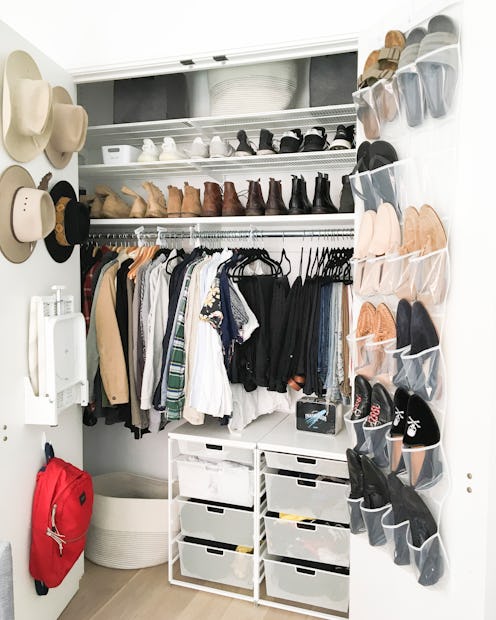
column 346, row 202
column 244, row 147
column 296, row 204
column 327, row 194
column 265, row 143
column 304, row 196
column 321, row 201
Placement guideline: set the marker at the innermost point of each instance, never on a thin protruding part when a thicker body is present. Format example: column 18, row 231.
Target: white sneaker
column 170, row 151
column 199, row 148
column 149, row 151
column 220, row 147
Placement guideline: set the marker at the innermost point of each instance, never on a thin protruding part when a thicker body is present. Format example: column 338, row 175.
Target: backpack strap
column 41, row 589
column 49, row 452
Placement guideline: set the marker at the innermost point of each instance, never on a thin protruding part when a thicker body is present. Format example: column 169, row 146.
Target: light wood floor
column 110, row 594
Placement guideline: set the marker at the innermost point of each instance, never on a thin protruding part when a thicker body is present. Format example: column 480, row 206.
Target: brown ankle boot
column 255, row 204
column 275, row 203
column 231, row 204
column 156, row 200
column 175, row 201
column 191, row 203
column 212, row 200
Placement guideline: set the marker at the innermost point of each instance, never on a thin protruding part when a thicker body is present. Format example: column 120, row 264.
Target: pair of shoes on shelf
column 109, row 204
column 226, row 203
column 185, row 204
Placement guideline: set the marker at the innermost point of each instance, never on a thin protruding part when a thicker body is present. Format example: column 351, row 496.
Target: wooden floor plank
column 98, row 585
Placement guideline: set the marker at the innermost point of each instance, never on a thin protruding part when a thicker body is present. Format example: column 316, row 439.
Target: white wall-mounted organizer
column 57, row 359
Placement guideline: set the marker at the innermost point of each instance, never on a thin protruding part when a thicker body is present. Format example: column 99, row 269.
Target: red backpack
column 62, row 505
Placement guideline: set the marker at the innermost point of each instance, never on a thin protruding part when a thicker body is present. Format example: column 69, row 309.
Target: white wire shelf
column 217, row 167
column 258, row 223
column 185, row 129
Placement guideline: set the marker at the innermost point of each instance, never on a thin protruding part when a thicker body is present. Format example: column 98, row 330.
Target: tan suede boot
column 175, row 201
column 156, row 201
column 138, row 208
column 191, row 203
column 114, row 207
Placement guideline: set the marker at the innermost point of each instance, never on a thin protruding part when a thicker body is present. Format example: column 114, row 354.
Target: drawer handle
column 306, row 526
column 114, row 150
column 215, row 551
column 305, row 571
column 306, row 461
column 215, row 509
column 306, row 483
column 212, row 446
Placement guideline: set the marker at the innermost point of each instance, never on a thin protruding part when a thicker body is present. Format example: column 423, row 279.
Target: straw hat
column 26, row 214
column 72, row 222
column 70, row 123
column 27, row 107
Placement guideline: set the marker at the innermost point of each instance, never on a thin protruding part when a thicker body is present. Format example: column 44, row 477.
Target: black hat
column 72, row 222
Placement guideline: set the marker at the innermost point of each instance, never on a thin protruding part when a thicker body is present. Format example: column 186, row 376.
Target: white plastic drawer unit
column 217, row 481
column 323, row 588
column 318, row 499
column 215, row 451
column 213, row 564
column 216, row 522
column 327, row 544
column 307, row 464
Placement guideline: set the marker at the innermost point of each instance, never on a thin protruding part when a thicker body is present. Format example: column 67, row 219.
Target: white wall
column 21, row 454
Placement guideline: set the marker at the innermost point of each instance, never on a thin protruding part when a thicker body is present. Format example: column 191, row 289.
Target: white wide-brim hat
column 27, row 113
column 70, row 123
column 27, row 214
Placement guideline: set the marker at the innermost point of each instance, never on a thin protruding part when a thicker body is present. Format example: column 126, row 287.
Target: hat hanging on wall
column 27, row 115
column 26, row 214
column 72, row 222
column 70, row 123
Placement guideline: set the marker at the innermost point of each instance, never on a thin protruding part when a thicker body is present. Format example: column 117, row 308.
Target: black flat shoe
column 381, row 407
column 363, row 391
column 423, row 333
column 403, row 324
column 375, row 487
column 401, row 550
column 355, row 473
column 400, row 401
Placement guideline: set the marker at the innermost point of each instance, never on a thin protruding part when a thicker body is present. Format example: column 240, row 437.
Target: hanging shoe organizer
column 57, row 365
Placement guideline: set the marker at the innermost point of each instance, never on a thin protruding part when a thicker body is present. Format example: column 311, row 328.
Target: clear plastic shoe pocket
column 396, row 537
column 365, row 105
column 385, row 95
column 372, row 517
column 400, row 279
column 376, row 356
column 376, row 443
column 363, row 192
column 355, row 432
column 394, row 446
column 357, row 526
column 429, row 560
column 359, row 353
column 429, row 277
column 438, row 71
column 412, row 99
column 424, row 465
column 396, row 368
column 425, row 373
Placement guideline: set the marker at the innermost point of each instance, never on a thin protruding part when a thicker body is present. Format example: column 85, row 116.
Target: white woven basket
column 252, row 88
column 129, row 524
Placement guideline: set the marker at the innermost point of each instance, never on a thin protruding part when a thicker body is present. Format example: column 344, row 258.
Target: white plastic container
column 308, row 541
column 311, row 586
column 220, row 565
column 129, row 524
column 119, row 154
column 223, row 481
column 220, row 523
column 318, row 499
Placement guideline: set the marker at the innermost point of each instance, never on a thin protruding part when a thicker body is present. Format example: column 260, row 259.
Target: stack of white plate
column 251, row 89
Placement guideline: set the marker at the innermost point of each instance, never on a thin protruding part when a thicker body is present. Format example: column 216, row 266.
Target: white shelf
column 217, row 167
column 185, row 129
column 287, row 439
column 266, row 222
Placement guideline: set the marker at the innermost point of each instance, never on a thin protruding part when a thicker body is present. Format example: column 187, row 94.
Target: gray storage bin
column 223, row 524
column 332, row 79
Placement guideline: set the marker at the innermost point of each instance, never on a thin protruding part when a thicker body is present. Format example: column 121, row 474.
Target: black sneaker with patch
column 291, row 141
column 315, row 140
column 341, row 140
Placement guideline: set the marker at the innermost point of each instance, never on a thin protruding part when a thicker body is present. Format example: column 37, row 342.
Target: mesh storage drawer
column 318, row 499
column 220, row 523
column 325, row 467
column 224, row 482
column 308, row 541
column 220, row 565
column 311, row 586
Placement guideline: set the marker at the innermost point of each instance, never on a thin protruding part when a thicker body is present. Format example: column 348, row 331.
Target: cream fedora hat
column 27, row 214
column 70, row 123
column 27, row 107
